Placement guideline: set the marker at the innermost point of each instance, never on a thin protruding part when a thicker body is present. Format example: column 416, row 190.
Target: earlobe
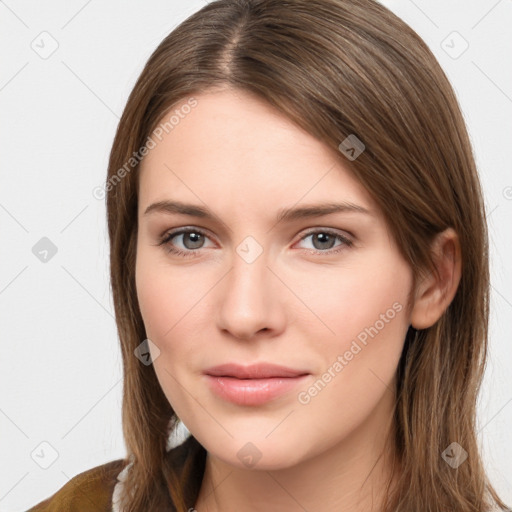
column 434, row 292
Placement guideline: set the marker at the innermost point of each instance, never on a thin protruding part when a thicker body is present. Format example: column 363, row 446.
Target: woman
column 299, row 266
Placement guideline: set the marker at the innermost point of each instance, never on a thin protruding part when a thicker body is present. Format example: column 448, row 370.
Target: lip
column 254, row 384
column 253, row 371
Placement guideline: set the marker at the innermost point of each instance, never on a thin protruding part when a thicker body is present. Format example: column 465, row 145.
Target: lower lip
column 252, row 391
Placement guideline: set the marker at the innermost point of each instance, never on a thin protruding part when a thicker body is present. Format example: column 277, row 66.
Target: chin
column 260, row 454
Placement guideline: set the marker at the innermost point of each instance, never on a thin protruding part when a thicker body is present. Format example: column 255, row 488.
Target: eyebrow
column 283, row 215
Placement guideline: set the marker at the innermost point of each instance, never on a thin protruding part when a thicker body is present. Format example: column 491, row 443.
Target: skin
column 244, row 161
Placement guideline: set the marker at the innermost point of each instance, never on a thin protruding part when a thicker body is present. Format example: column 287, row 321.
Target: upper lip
column 253, row 371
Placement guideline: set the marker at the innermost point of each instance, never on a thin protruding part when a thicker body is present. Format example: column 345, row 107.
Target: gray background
column 67, row 69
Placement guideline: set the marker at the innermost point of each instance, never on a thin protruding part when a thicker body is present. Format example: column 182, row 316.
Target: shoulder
column 88, row 491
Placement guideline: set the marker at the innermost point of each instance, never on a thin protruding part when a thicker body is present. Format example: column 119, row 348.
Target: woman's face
column 323, row 295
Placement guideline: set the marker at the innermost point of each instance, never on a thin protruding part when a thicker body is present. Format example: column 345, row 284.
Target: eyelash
column 195, row 252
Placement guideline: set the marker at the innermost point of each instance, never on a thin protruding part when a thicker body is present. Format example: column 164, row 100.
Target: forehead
column 233, row 147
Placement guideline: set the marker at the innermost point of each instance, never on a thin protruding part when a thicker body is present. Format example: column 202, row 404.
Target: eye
column 191, row 238
column 323, row 241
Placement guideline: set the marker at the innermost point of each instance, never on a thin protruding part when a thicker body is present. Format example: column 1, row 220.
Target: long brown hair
column 336, row 68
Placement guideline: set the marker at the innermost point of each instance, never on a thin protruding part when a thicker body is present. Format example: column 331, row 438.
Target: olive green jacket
column 90, row 491
column 96, row 489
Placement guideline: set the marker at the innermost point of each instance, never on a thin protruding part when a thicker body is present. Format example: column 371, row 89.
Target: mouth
column 254, row 371
column 253, row 385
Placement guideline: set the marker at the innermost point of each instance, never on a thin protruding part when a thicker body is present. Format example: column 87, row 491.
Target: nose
column 250, row 300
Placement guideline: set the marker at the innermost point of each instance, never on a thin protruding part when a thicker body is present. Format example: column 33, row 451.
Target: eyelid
column 331, row 231
column 169, row 235
column 346, row 241
column 186, row 229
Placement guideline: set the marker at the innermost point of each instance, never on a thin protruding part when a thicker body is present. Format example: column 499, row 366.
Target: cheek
column 363, row 311
column 172, row 302
column 152, row 299
column 166, row 295
column 347, row 300
column 370, row 324
column 166, row 300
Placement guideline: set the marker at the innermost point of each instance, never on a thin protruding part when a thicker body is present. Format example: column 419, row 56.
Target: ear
column 434, row 293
